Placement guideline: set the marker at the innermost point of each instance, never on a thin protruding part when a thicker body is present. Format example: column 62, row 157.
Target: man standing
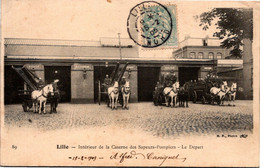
column 107, row 81
column 123, row 81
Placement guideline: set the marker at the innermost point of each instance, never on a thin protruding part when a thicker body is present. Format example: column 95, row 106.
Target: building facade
column 193, row 49
column 80, row 65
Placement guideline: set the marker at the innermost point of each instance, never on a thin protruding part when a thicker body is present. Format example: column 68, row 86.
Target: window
column 200, row 56
column 192, row 55
column 211, row 55
column 219, row 55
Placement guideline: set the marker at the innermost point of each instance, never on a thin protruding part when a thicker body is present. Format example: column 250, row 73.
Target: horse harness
column 220, row 91
column 115, row 92
column 126, row 92
column 232, row 91
column 170, row 92
column 42, row 95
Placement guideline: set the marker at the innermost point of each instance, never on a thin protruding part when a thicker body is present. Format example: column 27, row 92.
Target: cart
column 33, row 82
column 200, row 90
column 164, row 81
column 116, row 75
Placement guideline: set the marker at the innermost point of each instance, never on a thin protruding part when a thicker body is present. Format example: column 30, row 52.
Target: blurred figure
column 123, row 81
column 107, row 80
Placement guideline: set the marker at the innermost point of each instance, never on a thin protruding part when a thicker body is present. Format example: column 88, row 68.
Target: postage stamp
column 151, row 24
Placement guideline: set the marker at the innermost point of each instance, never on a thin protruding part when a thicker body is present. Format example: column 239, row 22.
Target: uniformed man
column 40, row 84
column 158, row 85
column 107, row 81
column 123, row 81
column 173, row 78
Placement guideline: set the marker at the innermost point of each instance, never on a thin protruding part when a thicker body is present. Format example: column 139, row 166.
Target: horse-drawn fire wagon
column 117, row 84
column 164, row 81
column 200, row 90
column 32, row 83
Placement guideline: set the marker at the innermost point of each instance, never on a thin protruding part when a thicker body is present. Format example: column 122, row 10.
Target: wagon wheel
column 203, row 100
column 194, row 97
column 99, row 92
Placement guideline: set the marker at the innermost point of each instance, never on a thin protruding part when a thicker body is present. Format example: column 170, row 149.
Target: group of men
column 166, row 81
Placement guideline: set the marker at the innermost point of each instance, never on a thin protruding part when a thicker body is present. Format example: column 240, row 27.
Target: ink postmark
column 149, row 24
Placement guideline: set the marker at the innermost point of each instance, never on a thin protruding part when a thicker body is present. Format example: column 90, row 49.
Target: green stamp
column 151, row 24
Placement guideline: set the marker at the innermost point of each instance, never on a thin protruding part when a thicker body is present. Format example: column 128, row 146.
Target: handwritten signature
column 149, row 156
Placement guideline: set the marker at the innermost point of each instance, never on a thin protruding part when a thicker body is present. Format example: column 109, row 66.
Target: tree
column 234, row 24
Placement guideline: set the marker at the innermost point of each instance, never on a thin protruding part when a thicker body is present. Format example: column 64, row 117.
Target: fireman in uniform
column 123, row 81
column 107, row 81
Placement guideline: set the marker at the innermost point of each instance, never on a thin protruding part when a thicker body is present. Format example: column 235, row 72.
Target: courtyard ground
column 159, row 121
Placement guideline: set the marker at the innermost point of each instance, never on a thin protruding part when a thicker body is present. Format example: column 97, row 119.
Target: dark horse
column 54, row 99
column 184, row 95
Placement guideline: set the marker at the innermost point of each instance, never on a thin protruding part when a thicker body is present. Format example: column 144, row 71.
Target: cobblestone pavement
column 156, row 120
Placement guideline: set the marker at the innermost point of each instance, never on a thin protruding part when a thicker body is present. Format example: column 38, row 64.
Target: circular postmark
column 149, row 24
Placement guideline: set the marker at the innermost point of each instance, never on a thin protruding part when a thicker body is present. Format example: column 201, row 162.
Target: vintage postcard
column 129, row 83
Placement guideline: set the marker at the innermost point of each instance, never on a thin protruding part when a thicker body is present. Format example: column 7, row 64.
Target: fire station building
column 80, row 65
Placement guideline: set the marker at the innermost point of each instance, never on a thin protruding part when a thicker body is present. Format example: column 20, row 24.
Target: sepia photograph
column 129, row 83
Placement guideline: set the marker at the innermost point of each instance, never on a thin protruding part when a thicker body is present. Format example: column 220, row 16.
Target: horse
column 219, row 92
column 232, row 93
column 40, row 97
column 171, row 92
column 54, row 99
column 113, row 93
column 184, row 95
column 126, row 94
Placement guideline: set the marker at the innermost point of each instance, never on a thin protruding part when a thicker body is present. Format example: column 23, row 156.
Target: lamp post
column 119, row 46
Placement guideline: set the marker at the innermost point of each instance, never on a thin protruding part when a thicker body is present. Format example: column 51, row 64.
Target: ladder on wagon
column 28, row 76
column 116, row 75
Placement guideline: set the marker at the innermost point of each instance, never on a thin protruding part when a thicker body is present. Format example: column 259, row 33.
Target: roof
column 104, row 41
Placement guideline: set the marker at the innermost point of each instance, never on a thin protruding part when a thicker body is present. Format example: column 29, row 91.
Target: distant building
column 201, row 48
column 194, row 49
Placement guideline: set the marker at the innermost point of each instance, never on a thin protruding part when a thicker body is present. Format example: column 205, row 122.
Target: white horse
column 40, row 97
column 171, row 92
column 232, row 93
column 219, row 92
column 126, row 94
column 113, row 93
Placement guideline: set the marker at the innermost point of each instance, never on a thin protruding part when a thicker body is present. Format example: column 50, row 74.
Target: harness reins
column 126, row 92
column 221, row 91
column 45, row 96
column 172, row 90
column 113, row 91
column 232, row 90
